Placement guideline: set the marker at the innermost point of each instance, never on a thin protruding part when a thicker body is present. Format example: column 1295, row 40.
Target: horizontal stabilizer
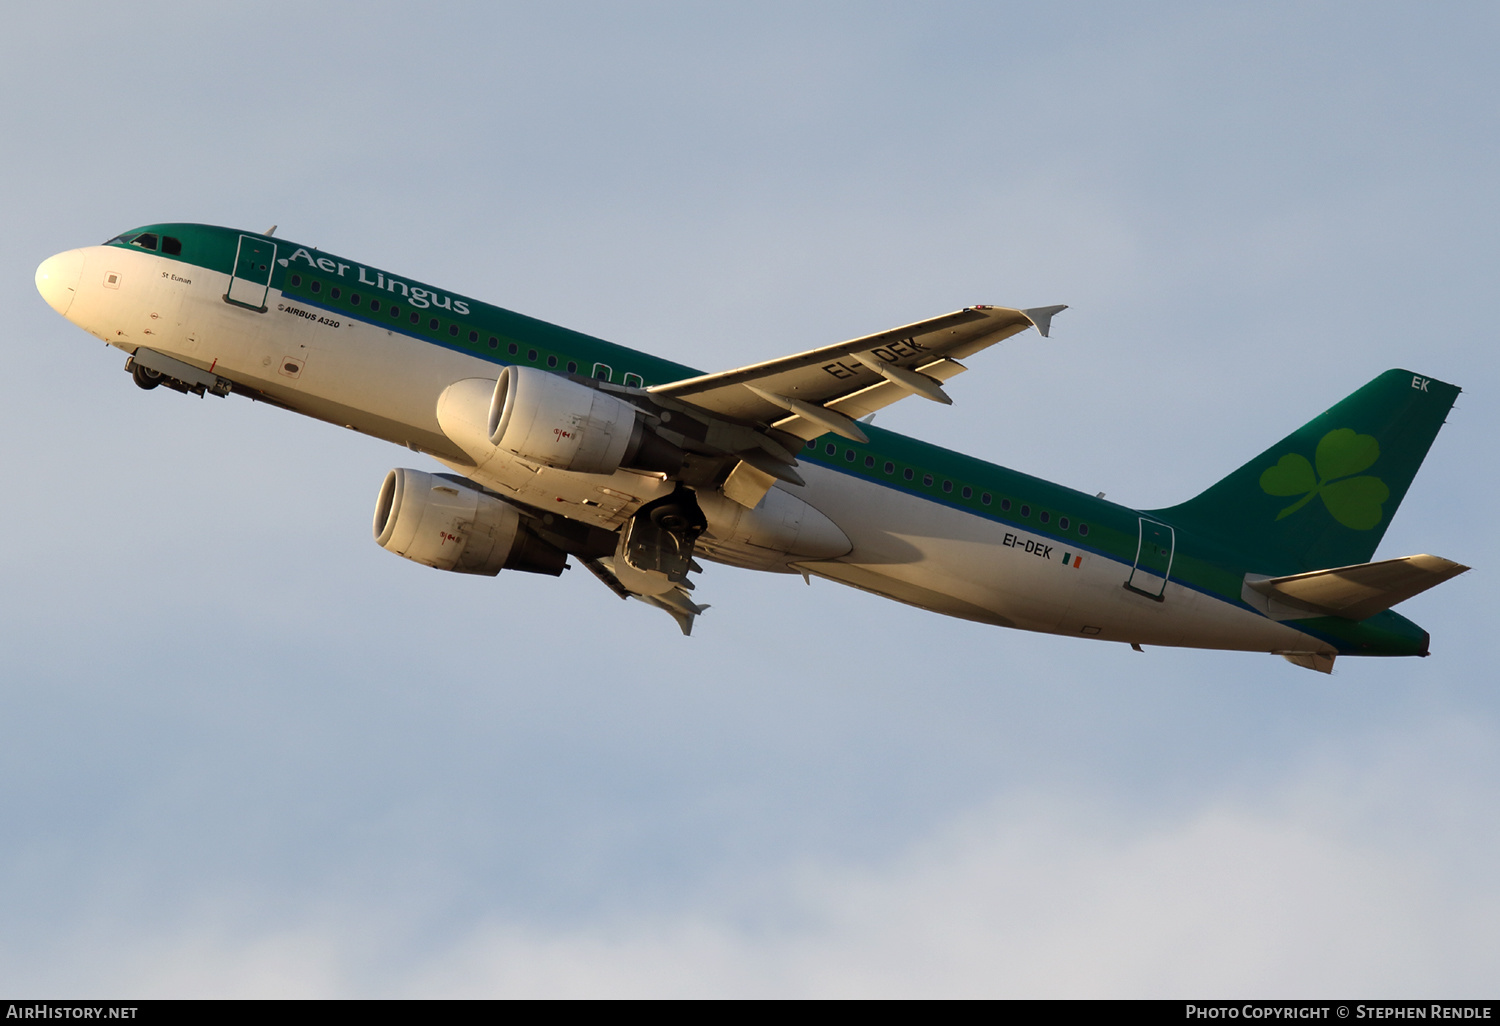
column 1360, row 591
column 1320, row 661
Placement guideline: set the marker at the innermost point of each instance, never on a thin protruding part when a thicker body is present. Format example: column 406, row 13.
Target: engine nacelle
column 547, row 419
column 440, row 523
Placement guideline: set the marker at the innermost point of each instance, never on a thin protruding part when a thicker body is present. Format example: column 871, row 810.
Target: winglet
column 1042, row 316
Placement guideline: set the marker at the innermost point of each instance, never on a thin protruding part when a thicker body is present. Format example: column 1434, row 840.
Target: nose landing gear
column 149, row 368
column 144, row 377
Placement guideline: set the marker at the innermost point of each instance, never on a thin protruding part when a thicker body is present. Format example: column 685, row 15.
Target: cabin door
column 252, row 273
column 1153, row 560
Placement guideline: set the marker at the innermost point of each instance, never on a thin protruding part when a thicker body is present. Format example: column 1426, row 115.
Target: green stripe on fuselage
column 1111, row 530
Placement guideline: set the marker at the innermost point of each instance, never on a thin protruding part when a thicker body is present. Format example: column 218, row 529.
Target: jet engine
column 444, row 524
column 551, row 420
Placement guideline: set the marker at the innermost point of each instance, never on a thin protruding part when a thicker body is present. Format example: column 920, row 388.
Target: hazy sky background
column 246, row 752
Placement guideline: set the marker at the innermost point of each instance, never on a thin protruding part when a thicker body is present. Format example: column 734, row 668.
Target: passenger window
column 1083, row 529
column 634, row 381
column 968, row 492
column 1025, row 510
column 830, row 449
column 869, row 461
column 334, row 293
column 395, row 310
column 494, row 342
column 531, row 355
column 473, row 336
column 432, row 325
column 1005, row 505
column 602, row 371
column 374, row 306
column 171, row 246
column 890, row 468
column 317, row 286
column 146, row 241
column 927, row 480
column 416, row 318
column 354, row 299
column 1044, row 516
column 985, row 498
column 947, row 486
column 908, row 474
column 849, row 455
column 551, row 361
column 513, row 349
column 296, row 281
column 1062, row 523
column 572, row 367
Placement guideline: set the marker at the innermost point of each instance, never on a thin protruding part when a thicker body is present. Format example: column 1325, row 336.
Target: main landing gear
column 661, row 535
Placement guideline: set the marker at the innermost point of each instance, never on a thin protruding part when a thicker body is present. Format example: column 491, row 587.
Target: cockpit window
column 148, row 240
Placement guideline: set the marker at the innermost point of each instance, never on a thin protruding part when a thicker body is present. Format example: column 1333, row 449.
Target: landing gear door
column 252, row 273
column 1153, row 560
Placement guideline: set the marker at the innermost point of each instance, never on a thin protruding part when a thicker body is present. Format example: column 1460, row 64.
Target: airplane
column 563, row 447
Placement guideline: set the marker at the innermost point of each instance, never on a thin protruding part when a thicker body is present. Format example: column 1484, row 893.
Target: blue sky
column 249, row 753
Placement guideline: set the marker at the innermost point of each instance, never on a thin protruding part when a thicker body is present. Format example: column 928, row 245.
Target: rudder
column 1324, row 495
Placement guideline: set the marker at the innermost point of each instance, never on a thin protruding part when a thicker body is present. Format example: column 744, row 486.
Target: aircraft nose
column 57, row 279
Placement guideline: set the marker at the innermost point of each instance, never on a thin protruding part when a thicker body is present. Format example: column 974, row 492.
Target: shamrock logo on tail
column 1354, row 502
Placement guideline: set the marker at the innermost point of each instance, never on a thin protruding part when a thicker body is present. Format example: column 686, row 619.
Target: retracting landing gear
column 655, row 555
column 148, row 368
column 661, row 535
column 144, row 377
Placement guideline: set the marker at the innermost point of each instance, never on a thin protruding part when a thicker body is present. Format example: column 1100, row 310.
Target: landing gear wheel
column 661, row 535
column 144, row 377
column 674, row 519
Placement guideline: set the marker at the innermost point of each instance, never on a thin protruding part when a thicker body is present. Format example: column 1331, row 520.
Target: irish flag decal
column 1071, row 560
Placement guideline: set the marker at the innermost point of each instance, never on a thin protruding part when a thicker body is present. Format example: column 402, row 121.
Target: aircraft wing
column 829, row 389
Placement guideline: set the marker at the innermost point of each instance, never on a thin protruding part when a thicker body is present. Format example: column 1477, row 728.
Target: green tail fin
column 1324, row 495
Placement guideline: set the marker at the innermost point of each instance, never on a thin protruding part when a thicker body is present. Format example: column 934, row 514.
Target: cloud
column 1364, row 871
column 1301, row 895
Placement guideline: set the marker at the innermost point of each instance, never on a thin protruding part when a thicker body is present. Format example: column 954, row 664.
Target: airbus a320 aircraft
column 561, row 445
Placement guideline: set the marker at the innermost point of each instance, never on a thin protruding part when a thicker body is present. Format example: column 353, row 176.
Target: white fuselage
column 387, row 383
